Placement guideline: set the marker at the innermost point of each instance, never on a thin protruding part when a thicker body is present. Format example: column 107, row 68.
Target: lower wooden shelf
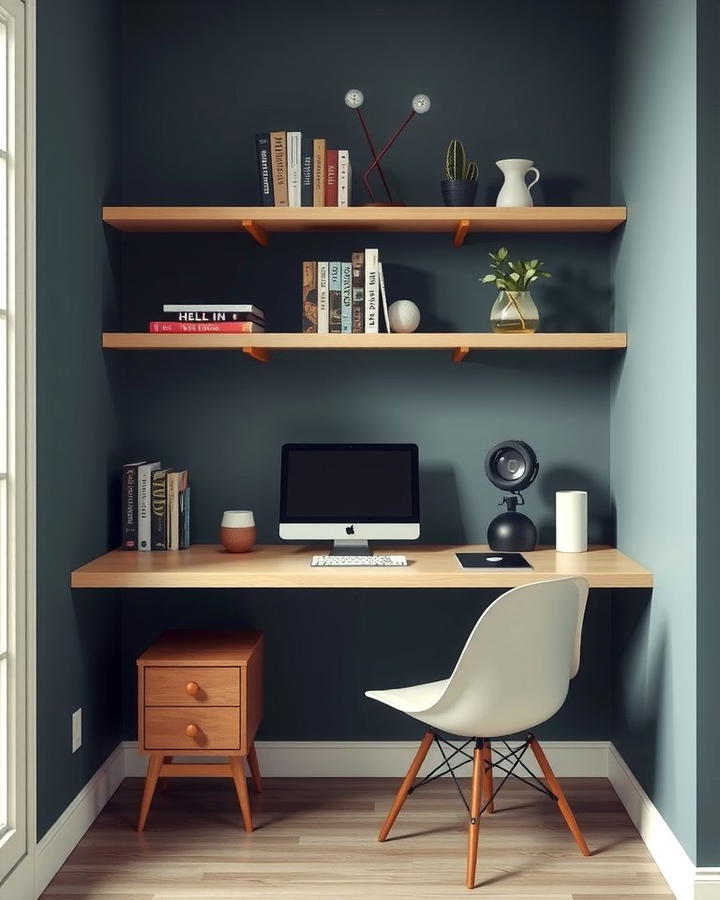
column 461, row 343
column 288, row 566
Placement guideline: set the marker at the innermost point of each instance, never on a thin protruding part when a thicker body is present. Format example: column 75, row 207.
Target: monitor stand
column 350, row 547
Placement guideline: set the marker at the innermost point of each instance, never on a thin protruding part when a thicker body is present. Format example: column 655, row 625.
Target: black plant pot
column 458, row 192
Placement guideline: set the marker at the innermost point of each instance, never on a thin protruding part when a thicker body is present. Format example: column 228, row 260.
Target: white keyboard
column 359, row 561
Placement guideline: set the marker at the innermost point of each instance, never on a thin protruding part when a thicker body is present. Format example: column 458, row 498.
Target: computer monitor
column 349, row 494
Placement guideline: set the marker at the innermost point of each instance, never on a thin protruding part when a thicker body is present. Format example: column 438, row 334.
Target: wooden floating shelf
column 260, row 221
column 279, row 566
column 259, row 345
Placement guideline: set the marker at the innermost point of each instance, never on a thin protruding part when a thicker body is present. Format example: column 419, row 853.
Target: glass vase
column 514, row 312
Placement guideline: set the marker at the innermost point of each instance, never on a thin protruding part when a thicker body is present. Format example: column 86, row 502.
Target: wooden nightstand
column 200, row 693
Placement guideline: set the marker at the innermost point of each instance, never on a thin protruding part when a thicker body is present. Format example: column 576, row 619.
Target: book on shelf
column 214, row 307
column 335, row 297
column 177, row 483
column 278, row 153
column 371, row 292
column 306, row 172
column 383, row 297
column 130, row 505
column 144, row 476
column 331, row 184
column 184, row 519
column 158, row 510
column 215, row 315
column 309, row 298
column 294, row 167
column 346, row 297
column 205, row 328
column 358, row 292
column 323, row 298
column 262, row 145
column 319, row 172
column 344, row 178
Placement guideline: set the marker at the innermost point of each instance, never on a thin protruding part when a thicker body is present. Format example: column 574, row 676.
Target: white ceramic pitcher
column 515, row 191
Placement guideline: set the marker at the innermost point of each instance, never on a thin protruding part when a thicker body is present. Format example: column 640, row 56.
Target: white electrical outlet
column 77, row 729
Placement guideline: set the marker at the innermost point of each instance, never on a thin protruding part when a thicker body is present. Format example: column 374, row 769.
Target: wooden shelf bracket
column 261, row 354
column 257, row 231
column 459, row 353
column 461, row 230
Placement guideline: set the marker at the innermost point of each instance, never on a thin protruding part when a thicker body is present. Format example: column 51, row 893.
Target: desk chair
column 513, row 674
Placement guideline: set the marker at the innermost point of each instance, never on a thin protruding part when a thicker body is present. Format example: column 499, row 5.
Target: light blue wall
column 653, row 419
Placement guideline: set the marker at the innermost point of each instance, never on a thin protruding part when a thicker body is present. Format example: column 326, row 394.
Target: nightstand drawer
column 191, row 685
column 191, row 728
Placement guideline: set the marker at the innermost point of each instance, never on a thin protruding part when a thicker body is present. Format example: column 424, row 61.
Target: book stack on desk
column 155, row 507
column 210, row 318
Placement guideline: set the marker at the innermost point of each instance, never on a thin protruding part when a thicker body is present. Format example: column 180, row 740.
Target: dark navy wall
column 195, row 91
column 78, row 634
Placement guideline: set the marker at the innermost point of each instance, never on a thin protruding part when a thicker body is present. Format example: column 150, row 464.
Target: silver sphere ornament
column 421, row 103
column 404, row 316
column 354, row 98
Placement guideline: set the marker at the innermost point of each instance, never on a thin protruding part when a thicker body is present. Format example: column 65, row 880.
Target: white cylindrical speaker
column 571, row 521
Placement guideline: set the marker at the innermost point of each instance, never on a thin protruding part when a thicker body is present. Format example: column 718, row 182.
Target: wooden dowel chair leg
column 563, row 805
column 487, row 777
column 153, row 771
column 404, row 790
column 478, row 777
column 255, row 769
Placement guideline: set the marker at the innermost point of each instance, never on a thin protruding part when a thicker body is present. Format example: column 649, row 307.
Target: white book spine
column 371, row 292
column 294, row 171
column 144, row 515
column 343, row 178
column 323, row 298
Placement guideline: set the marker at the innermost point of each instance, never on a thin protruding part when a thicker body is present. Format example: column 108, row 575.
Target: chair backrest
column 515, row 669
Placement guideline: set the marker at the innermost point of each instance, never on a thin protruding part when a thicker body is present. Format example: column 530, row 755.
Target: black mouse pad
column 493, row 561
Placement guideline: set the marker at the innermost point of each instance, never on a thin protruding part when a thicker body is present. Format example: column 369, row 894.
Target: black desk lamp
column 511, row 466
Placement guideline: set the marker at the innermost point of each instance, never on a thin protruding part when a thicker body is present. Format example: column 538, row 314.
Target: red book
column 204, row 328
column 331, row 178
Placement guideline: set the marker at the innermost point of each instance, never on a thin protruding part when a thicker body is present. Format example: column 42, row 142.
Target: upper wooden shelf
column 461, row 343
column 288, row 566
column 459, row 221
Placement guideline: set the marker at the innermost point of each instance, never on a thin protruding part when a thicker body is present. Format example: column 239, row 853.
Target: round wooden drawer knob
column 192, row 687
column 191, row 730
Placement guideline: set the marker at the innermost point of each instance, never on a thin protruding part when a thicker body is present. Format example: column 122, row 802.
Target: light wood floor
column 317, row 838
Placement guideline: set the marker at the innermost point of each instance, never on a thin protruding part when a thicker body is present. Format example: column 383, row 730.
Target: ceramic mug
column 237, row 530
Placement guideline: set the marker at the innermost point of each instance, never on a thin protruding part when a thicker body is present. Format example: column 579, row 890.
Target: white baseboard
column 685, row 880
column 64, row 835
column 380, row 759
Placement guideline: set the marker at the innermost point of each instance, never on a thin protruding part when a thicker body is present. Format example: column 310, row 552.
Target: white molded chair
column 513, row 674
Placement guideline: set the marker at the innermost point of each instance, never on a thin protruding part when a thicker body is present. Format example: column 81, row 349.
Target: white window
column 16, row 384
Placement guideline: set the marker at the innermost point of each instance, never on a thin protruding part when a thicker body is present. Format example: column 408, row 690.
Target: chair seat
column 411, row 700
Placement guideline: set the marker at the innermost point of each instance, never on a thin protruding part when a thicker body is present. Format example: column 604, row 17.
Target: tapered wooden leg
column 153, row 770
column 254, row 769
column 487, row 777
column 164, row 783
column 404, row 790
column 478, row 777
column 238, row 773
column 563, row 805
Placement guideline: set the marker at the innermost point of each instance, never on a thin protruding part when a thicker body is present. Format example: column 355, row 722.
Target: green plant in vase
column 514, row 310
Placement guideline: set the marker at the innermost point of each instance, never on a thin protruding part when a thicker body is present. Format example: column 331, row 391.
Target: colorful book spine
column 346, row 279
column 262, row 145
column 184, row 515
column 144, row 475
column 309, row 298
column 344, row 177
column 294, row 167
column 177, row 482
column 372, row 296
column 358, row 292
column 335, row 291
column 319, row 172
column 306, row 174
column 205, row 328
column 331, row 173
column 130, row 506
column 278, row 153
column 158, row 510
column 216, row 316
column 323, row 298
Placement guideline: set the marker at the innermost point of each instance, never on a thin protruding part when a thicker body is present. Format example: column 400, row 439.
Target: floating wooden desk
column 288, row 566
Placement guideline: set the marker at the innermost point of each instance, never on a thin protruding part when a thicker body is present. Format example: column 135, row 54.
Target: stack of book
column 209, row 318
column 344, row 297
column 155, row 507
column 297, row 171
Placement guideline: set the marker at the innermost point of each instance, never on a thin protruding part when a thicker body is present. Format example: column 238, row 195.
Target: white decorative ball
column 404, row 316
column 421, row 103
column 354, row 98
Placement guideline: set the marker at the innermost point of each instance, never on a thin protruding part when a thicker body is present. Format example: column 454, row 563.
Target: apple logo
column 350, row 529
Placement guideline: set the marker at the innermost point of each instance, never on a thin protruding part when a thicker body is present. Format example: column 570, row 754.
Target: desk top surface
column 288, row 566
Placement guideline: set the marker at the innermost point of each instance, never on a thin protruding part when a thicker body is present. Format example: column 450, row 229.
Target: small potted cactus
column 459, row 186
